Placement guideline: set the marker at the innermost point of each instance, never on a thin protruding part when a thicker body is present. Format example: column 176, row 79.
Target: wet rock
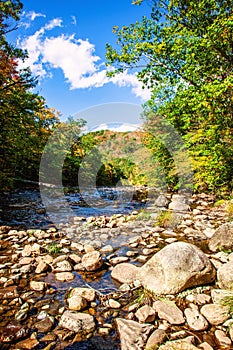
column 107, row 249
column 92, row 261
column 222, row 238
column 124, row 273
column 114, row 304
column 87, row 293
column 133, row 335
column 195, row 320
column 45, row 325
column 225, row 275
column 9, row 292
column 222, row 339
column 119, row 260
column 63, row 266
column 12, row 332
column 38, row 286
column 179, row 203
column 145, row 314
column 176, row 267
column 75, row 258
column 41, row 267
column 76, row 302
column 168, row 311
column 22, row 313
column 77, row 322
column 26, row 261
column 27, row 344
column 64, row 276
column 215, row 314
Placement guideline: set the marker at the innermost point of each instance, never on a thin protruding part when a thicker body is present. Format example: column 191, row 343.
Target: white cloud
column 81, row 67
column 74, row 20
column 32, row 15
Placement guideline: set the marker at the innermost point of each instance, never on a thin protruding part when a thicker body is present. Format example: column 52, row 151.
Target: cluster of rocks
column 170, row 279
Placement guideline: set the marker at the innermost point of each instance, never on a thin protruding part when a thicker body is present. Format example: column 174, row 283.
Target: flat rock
column 92, row 261
column 41, row 267
column 215, row 314
column 13, row 331
column 124, row 272
column 63, row 266
column 195, row 320
column 222, row 339
column 222, row 238
column 156, row 338
column 76, row 302
column 45, row 325
column 64, row 276
column 133, row 335
column 145, row 314
column 176, row 267
column 168, row 311
column 38, row 286
column 27, row 344
column 87, row 293
column 182, row 344
column 9, row 292
column 77, row 322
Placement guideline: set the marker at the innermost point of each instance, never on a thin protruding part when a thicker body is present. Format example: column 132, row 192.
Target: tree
column 184, row 54
column 26, row 121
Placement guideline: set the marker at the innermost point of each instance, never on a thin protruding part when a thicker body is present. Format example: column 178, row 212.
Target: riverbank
column 80, row 286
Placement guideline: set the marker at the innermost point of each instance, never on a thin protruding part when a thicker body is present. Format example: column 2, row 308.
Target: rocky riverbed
column 155, row 279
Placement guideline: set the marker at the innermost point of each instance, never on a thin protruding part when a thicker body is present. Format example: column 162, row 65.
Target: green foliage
column 167, row 218
column 229, row 211
column 26, row 121
column 228, row 301
column 183, row 54
column 53, row 249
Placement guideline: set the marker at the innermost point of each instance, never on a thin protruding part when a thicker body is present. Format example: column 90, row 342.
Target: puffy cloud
column 81, row 67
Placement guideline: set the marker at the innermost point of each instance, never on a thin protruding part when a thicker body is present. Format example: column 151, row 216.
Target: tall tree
column 184, row 54
column 25, row 120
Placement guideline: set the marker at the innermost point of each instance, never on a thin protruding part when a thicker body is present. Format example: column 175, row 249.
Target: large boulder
column 222, row 238
column 133, row 335
column 176, row 267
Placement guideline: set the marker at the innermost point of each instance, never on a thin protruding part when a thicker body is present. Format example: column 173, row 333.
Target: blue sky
column 66, row 46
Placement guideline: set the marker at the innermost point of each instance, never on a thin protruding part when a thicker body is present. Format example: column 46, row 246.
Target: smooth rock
column 222, row 339
column 45, row 325
column 87, row 293
column 133, row 335
column 176, row 267
column 215, row 314
column 114, row 304
column 76, row 302
column 77, row 322
column 92, row 261
column 168, row 311
column 145, row 314
column 156, row 338
column 38, row 286
column 181, row 344
column 64, row 276
column 41, row 267
column 195, row 320
column 124, row 272
column 9, row 292
column 225, row 275
column 27, row 344
column 63, row 266
column 12, row 332
column 222, row 238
